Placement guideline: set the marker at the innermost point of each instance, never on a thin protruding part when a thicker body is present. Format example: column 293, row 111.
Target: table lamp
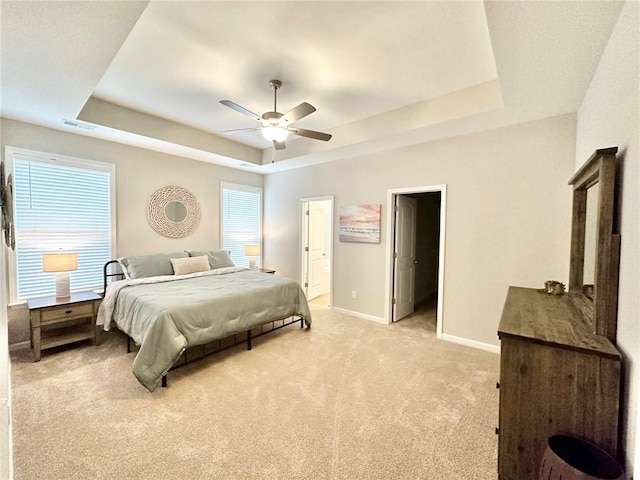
column 252, row 251
column 61, row 264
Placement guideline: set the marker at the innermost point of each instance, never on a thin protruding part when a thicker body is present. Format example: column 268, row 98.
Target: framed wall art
column 360, row 223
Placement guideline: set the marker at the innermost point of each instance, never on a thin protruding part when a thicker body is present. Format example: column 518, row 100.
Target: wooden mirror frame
column 602, row 310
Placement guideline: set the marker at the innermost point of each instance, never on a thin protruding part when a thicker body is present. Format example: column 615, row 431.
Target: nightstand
column 59, row 321
column 266, row 270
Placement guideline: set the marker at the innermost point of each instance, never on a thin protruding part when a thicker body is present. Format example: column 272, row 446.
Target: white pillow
column 123, row 267
column 217, row 258
column 182, row 266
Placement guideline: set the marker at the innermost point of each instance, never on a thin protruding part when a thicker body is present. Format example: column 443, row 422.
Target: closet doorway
column 416, row 221
column 316, row 248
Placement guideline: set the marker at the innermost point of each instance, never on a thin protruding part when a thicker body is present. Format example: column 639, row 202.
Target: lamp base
column 63, row 289
column 252, row 263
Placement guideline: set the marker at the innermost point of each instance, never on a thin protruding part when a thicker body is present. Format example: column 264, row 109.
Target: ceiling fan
column 275, row 125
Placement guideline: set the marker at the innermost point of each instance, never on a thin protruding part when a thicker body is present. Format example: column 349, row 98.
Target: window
column 60, row 203
column 241, row 220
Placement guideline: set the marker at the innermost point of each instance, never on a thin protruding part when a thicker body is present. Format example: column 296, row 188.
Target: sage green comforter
column 165, row 315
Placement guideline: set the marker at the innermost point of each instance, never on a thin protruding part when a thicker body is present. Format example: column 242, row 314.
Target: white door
column 404, row 257
column 317, row 251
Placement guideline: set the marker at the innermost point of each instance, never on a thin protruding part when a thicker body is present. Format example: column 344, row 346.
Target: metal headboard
column 108, row 273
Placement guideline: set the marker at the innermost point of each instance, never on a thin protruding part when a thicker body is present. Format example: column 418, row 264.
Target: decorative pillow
column 182, row 266
column 217, row 258
column 143, row 266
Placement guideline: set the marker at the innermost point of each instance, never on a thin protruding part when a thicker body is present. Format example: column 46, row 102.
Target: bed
column 168, row 309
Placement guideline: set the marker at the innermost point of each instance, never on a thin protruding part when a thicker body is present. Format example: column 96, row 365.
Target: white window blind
column 241, row 220
column 61, row 206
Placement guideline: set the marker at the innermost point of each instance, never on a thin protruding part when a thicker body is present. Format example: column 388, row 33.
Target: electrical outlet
column 354, row 294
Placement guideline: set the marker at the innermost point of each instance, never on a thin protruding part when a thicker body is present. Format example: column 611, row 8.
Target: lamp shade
column 59, row 262
column 274, row 133
column 252, row 250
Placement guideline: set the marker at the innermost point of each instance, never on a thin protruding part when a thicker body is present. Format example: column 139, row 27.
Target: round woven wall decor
column 157, row 208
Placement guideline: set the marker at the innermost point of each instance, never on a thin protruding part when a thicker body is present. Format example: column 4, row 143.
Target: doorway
column 316, row 248
column 416, row 221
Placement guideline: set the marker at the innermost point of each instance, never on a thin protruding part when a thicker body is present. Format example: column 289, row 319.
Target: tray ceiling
column 381, row 74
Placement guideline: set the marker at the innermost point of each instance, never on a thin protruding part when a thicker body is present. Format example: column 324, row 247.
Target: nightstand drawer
column 67, row 312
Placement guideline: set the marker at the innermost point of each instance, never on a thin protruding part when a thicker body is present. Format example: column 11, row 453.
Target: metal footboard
column 198, row 352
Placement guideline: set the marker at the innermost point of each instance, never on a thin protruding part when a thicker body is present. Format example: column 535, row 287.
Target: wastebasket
column 571, row 458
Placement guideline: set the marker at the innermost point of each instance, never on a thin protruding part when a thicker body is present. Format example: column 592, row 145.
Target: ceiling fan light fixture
column 274, row 133
column 275, row 125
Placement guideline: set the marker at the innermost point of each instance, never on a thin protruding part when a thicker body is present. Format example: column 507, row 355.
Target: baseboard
column 445, row 336
column 360, row 315
column 19, row 346
column 471, row 343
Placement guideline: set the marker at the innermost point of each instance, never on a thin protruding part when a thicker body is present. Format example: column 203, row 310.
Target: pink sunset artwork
column 360, row 223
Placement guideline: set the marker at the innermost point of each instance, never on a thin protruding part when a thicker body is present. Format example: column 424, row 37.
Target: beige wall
column 139, row 173
column 508, row 218
column 609, row 116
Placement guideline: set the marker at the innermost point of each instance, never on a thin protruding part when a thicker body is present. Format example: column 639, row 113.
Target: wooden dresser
column 556, row 376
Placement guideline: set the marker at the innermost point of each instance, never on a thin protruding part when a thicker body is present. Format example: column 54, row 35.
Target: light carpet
column 347, row 399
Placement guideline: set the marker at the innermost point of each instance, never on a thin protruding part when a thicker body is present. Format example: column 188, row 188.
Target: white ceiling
column 381, row 74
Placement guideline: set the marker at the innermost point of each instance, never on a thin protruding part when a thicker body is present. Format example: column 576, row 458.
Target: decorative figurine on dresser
column 559, row 365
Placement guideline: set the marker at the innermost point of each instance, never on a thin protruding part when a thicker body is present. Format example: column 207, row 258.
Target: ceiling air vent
column 75, row 124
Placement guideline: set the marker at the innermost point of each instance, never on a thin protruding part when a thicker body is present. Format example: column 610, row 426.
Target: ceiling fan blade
column 279, row 145
column 325, row 137
column 238, row 130
column 240, row 109
column 296, row 113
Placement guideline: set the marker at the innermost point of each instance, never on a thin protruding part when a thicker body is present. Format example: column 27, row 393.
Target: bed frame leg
column 128, row 344
column 248, row 339
column 164, row 381
column 301, row 322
